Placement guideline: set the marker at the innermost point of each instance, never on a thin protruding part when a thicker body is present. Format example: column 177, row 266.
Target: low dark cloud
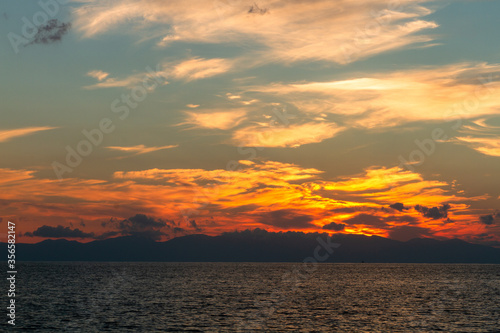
column 434, row 213
column 286, row 219
column 487, row 219
column 194, row 225
column 51, row 32
column 140, row 222
column 178, row 230
column 138, row 225
column 142, row 225
column 58, row 232
column 405, row 233
column 335, row 226
column 398, row 206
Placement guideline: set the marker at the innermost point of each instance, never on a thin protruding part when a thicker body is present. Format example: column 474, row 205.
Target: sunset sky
column 170, row 118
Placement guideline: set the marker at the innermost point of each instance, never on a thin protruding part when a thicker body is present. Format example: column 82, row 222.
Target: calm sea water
column 267, row 297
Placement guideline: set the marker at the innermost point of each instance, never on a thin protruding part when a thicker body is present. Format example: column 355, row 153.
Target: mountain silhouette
column 259, row 246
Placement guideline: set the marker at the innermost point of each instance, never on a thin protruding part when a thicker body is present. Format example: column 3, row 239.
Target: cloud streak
column 140, row 149
column 481, row 136
column 184, row 70
column 46, row 231
column 286, row 31
column 382, row 100
column 290, row 136
column 6, row 135
column 214, row 119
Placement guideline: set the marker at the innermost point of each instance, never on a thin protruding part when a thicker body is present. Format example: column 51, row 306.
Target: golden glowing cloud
column 338, row 31
column 6, row 135
column 389, row 99
column 187, row 70
column 280, row 136
column 213, row 119
column 98, row 74
column 268, row 194
column 486, row 146
column 140, row 149
column 198, row 68
column 481, row 136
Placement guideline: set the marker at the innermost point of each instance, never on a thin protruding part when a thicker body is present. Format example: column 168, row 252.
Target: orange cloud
column 287, row 31
column 6, row 135
column 280, row 136
column 486, row 146
column 187, row 70
column 98, row 74
column 481, row 136
column 213, row 119
column 199, row 68
column 268, row 194
column 388, row 99
column 140, row 149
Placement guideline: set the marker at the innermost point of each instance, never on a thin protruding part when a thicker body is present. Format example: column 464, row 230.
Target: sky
column 170, row 118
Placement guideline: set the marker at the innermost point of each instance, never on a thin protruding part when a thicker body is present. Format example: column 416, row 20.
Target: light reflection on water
column 227, row 297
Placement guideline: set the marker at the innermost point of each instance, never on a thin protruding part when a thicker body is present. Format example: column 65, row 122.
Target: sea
column 256, row 297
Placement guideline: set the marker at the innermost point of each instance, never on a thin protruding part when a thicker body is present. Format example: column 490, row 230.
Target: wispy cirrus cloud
column 6, row 135
column 384, row 100
column 486, row 146
column 481, row 136
column 130, row 81
column 140, row 149
column 289, row 31
column 280, row 136
column 98, row 75
column 214, row 119
column 185, row 70
column 200, row 68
